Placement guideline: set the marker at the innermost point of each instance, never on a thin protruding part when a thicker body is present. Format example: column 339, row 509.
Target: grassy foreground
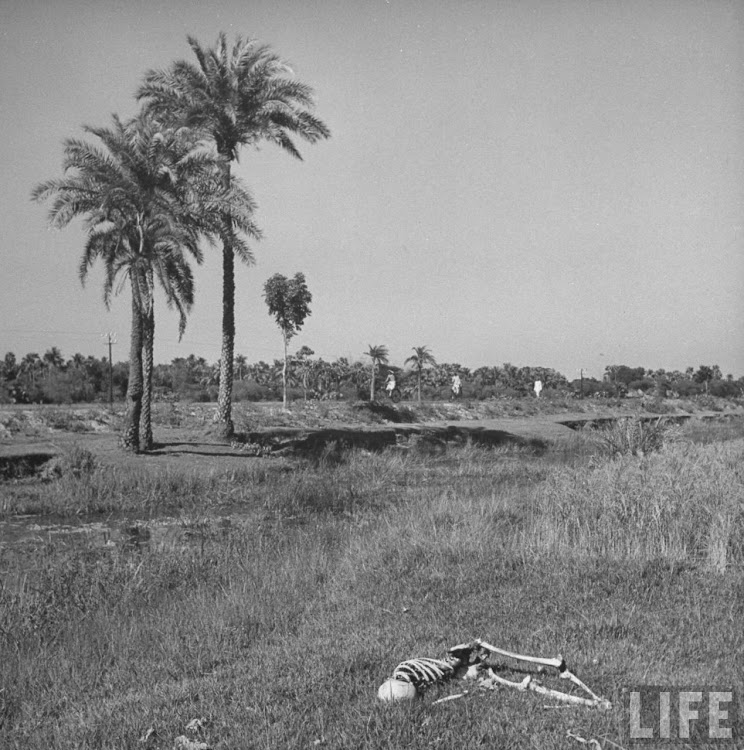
column 276, row 622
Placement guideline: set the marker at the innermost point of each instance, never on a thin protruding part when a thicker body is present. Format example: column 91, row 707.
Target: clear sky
column 542, row 182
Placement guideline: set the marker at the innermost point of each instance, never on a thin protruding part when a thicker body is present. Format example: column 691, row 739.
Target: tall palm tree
column 135, row 195
column 30, row 366
column 77, row 361
column 52, row 362
column 240, row 96
column 379, row 356
column 174, row 274
column 240, row 363
column 420, row 358
column 9, row 366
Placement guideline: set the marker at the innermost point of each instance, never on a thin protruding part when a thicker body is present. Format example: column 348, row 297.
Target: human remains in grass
column 469, row 661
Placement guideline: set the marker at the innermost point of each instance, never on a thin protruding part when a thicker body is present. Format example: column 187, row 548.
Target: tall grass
column 681, row 503
column 278, row 628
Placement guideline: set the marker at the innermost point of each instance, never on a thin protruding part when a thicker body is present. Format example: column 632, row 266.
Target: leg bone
column 529, row 684
column 557, row 663
column 568, row 675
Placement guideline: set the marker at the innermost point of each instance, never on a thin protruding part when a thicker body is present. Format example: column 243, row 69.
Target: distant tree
column 705, row 374
column 9, row 366
column 30, row 366
column 622, row 374
column 239, row 365
column 288, row 301
column 510, row 374
column 379, row 356
column 723, row 388
column 420, row 359
column 77, row 361
column 53, row 359
column 305, row 367
column 239, row 95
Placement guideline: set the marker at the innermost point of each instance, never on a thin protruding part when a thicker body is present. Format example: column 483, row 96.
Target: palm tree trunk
column 148, row 337
column 130, row 434
column 284, row 372
column 224, row 399
column 225, row 424
column 372, row 383
column 419, row 385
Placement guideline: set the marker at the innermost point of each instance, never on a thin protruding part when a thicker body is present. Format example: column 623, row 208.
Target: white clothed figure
column 538, row 387
column 456, row 385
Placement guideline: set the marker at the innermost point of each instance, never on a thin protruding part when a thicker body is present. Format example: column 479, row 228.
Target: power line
column 34, row 330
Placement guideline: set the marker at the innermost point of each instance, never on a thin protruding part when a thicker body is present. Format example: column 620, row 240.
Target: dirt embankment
column 186, row 433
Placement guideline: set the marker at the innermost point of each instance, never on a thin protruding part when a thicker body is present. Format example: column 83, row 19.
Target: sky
column 542, row 182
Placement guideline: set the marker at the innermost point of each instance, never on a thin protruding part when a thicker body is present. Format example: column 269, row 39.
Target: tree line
column 153, row 190
column 50, row 378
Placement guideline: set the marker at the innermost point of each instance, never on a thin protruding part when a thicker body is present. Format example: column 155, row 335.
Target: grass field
column 296, row 586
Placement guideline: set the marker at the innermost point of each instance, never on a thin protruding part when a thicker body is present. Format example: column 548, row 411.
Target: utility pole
column 110, row 339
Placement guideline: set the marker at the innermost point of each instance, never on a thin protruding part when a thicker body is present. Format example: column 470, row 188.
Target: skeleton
column 468, row 661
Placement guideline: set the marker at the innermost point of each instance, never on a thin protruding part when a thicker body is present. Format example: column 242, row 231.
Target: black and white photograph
column 371, row 374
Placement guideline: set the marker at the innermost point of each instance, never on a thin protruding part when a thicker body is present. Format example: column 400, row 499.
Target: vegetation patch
column 634, row 436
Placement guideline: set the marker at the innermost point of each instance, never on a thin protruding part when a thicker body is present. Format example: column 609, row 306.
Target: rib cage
column 423, row 671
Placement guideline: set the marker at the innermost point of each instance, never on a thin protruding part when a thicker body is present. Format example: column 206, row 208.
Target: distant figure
column 456, row 386
column 538, row 387
column 390, row 384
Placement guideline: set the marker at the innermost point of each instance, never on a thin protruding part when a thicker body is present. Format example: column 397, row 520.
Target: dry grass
column 278, row 627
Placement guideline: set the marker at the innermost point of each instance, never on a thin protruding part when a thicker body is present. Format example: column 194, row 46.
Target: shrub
column 686, row 388
column 555, row 394
column 724, row 388
column 645, row 385
column 709, row 403
column 66, row 420
column 658, row 406
column 634, row 436
column 74, row 461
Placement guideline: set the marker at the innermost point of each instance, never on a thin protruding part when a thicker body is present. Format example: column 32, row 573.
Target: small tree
column 705, row 374
column 379, row 356
column 420, row 358
column 289, row 302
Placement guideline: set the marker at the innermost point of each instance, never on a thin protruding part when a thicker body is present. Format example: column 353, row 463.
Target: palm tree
column 30, row 366
column 420, row 358
column 141, row 215
column 240, row 96
column 305, row 367
column 77, row 361
column 379, row 356
column 52, row 361
column 9, row 366
column 240, row 363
